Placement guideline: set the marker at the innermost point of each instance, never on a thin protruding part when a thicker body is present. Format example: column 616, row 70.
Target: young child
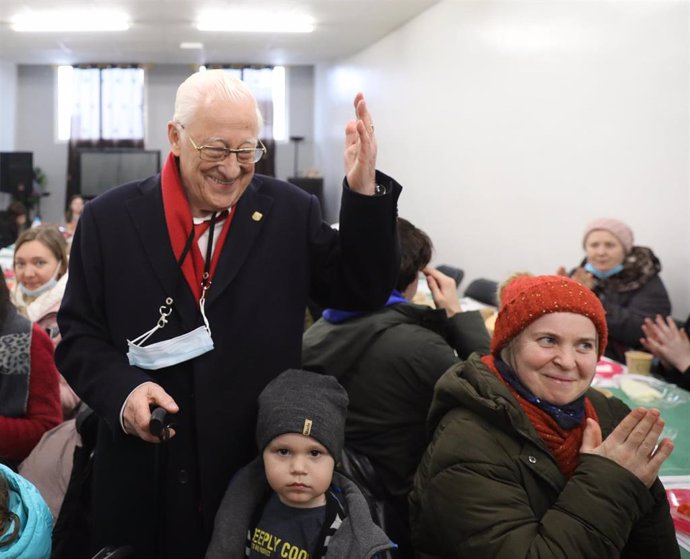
column 289, row 502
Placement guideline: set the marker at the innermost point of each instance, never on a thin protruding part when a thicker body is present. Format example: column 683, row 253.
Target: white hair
column 211, row 84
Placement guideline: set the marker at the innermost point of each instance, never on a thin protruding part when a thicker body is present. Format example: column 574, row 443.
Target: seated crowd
column 462, row 443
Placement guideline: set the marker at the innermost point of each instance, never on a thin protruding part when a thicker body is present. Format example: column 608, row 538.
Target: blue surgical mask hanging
column 603, row 275
column 47, row 286
column 173, row 351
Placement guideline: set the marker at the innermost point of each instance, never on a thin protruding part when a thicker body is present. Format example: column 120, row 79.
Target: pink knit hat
column 526, row 298
column 617, row 228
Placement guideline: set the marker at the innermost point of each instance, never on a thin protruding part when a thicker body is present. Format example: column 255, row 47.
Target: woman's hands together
column 632, row 444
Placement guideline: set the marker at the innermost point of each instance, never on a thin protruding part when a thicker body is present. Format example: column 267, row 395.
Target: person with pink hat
column 625, row 278
column 526, row 459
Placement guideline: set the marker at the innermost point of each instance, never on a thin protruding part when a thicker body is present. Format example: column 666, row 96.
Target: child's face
column 299, row 469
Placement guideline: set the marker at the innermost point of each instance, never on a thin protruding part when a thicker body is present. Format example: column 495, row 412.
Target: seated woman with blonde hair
column 625, row 278
column 526, row 460
column 40, row 268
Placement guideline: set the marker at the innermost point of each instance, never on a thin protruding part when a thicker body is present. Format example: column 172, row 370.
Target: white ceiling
column 343, row 27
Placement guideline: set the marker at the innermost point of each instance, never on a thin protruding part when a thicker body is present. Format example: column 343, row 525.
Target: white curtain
column 108, row 104
column 122, row 103
column 86, row 111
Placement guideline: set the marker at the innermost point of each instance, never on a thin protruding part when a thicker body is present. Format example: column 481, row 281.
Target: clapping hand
column 632, row 444
column 668, row 342
column 360, row 150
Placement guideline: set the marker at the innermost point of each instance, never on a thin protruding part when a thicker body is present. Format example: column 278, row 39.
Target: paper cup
column 638, row 362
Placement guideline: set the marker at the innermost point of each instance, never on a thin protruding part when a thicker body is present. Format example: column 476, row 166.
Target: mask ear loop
column 165, row 311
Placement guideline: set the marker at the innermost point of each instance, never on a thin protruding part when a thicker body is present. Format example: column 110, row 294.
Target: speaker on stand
column 17, row 174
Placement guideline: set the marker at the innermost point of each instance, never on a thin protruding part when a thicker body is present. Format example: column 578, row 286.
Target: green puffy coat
column 488, row 487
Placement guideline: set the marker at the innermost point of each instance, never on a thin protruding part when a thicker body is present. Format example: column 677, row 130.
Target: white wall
column 8, row 95
column 511, row 124
column 36, row 133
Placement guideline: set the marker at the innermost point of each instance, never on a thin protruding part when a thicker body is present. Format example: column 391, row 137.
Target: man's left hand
column 360, row 150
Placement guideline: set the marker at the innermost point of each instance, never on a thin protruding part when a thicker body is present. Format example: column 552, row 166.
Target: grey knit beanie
column 307, row 403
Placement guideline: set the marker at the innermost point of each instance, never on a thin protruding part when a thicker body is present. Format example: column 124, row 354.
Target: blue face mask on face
column 603, row 275
column 47, row 286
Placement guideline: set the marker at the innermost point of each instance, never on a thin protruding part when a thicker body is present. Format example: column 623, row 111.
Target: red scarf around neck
column 564, row 444
column 178, row 218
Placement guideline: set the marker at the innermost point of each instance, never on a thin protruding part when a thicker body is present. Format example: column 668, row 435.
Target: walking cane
column 159, row 426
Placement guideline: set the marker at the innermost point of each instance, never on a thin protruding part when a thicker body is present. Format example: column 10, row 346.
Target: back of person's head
column 50, row 237
column 25, row 520
column 415, row 252
column 617, row 228
column 525, row 298
column 210, row 85
column 306, row 403
column 16, row 208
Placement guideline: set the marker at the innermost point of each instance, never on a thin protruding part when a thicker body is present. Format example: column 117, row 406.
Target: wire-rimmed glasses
column 219, row 153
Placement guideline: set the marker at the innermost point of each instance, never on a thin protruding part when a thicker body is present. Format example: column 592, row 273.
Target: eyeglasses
column 218, row 153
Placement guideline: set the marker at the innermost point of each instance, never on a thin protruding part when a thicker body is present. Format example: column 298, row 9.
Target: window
column 100, row 104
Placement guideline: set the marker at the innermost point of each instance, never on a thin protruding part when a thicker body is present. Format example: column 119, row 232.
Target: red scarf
column 178, row 218
column 564, row 443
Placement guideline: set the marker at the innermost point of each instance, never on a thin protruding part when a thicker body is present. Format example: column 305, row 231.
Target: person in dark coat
column 671, row 345
column 389, row 361
column 526, row 459
column 626, row 279
column 187, row 291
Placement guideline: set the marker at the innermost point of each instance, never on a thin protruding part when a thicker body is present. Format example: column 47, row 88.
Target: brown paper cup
column 638, row 362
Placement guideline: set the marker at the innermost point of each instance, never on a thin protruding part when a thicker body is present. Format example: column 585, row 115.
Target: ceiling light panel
column 70, row 21
column 243, row 22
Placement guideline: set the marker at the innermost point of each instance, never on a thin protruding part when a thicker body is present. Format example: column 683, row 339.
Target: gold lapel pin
column 256, row 216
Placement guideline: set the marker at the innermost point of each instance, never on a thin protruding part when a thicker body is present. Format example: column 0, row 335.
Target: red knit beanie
column 614, row 226
column 526, row 298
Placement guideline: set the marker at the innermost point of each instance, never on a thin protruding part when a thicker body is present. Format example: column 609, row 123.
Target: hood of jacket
column 35, row 520
column 472, row 386
column 335, row 348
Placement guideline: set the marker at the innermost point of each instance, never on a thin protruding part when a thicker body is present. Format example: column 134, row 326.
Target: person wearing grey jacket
column 356, row 537
column 289, row 502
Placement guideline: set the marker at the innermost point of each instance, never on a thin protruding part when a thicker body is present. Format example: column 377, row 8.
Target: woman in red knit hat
column 526, row 460
column 625, row 277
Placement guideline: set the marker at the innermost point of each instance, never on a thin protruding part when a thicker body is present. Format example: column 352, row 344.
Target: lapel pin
column 256, row 216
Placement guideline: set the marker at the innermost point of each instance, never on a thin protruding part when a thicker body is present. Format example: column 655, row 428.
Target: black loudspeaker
column 17, row 173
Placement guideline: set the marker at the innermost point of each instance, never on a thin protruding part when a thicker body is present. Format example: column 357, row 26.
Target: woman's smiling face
column 555, row 357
